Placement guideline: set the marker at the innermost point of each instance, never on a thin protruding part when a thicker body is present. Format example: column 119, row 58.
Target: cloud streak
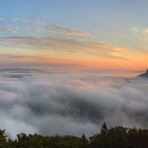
column 64, row 45
column 141, row 32
column 39, row 26
column 8, row 29
column 69, row 31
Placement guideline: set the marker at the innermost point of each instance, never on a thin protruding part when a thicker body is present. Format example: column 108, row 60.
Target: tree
column 104, row 126
column 3, row 137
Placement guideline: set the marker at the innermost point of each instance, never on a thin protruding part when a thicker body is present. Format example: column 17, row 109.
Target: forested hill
column 117, row 137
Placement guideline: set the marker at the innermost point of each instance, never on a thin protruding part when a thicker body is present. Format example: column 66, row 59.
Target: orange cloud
column 47, row 51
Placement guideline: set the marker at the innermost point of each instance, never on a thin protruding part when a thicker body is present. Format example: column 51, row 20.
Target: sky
column 100, row 34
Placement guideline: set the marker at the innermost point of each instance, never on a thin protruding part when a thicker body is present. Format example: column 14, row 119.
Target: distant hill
column 144, row 75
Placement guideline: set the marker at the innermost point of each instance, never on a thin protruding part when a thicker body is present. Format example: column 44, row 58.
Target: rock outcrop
column 144, row 75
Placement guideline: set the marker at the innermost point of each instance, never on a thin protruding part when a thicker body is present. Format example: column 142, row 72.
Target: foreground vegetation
column 117, row 137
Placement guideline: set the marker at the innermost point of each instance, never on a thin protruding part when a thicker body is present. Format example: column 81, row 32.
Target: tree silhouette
column 115, row 137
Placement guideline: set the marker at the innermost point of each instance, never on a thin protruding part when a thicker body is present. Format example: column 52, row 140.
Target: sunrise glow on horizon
column 98, row 34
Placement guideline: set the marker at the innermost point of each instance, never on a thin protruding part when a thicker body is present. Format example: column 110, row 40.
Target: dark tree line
column 116, row 137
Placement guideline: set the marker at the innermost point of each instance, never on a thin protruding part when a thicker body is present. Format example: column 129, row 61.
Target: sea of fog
column 59, row 102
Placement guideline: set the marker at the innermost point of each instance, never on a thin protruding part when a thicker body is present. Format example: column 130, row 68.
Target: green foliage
column 117, row 137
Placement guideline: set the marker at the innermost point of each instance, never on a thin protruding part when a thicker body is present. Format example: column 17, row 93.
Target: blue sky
column 103, row 18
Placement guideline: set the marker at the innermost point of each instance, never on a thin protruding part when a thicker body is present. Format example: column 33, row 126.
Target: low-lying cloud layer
column 51, row 103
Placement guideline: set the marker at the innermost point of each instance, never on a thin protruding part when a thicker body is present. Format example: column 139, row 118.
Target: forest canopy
column 114, row 137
